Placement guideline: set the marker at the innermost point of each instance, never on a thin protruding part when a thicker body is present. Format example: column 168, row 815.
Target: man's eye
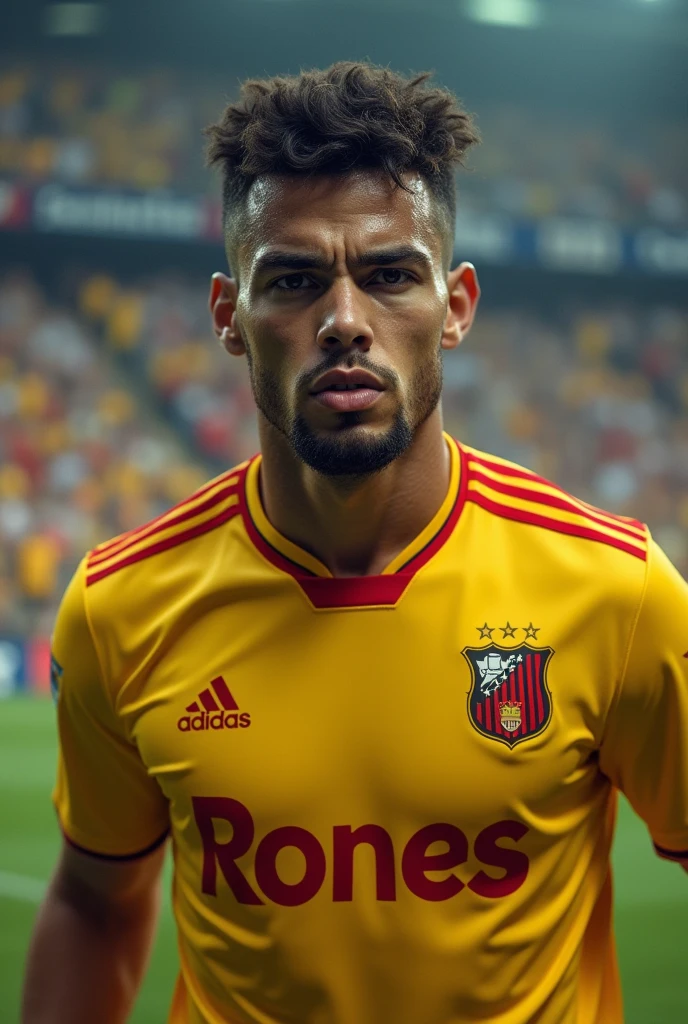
column 391, row 276
column 292, row 283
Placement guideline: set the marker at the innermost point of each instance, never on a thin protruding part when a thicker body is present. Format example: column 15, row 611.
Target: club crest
column 509, row 699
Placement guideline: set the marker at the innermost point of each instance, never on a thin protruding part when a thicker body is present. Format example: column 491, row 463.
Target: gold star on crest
column 508, row 630
column 532, row 631
column 485, row 631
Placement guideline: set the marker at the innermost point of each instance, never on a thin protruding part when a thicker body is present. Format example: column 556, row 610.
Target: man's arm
column 92, row 939
column 95, row 927
column 644, row 751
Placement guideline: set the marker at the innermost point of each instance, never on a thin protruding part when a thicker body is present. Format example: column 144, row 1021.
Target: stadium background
column 115, row 401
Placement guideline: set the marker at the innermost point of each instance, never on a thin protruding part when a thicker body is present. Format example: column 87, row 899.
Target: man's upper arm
column 107, row 803
column 95, row 883
column 645, row 748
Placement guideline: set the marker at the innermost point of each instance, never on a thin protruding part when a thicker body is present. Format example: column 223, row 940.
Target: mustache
column 336, row 361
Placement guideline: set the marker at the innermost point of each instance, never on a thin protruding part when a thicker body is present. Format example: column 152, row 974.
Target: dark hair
column 346, row 117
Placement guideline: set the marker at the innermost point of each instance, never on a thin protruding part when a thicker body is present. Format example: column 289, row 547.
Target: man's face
column 341, row 307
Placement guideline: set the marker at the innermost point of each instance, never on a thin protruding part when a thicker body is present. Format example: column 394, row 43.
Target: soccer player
column 380, row 688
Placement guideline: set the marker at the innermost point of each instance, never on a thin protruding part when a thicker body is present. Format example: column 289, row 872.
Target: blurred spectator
column 596, row 401
column 80, row 459
column 161, row 331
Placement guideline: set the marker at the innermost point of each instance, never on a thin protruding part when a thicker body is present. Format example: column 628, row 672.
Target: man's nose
column 345, row 322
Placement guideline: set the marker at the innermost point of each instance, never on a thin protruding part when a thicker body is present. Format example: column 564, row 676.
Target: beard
column 349, row 451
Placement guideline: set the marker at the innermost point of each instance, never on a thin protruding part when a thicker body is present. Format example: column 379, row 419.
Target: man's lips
column 338, row 380
column 347, row 390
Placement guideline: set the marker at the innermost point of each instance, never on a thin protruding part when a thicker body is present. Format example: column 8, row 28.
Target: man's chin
column 352, row 450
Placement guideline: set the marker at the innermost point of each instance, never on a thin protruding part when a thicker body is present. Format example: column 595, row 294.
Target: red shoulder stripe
column 627, row 520
column 526, row 474
column 166, row 544
column 102, row 548
column 505, row 468
column 156, row 526
column 554, row 501
column 573, row 529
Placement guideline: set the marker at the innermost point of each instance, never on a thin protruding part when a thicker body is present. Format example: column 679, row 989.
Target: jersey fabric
column 391, row 798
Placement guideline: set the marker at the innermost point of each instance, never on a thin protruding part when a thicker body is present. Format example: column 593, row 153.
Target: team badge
column 509, row 699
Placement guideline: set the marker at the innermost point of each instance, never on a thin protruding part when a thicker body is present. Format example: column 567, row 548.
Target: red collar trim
column 357, row 592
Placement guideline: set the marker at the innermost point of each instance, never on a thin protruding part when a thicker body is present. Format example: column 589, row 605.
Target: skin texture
column 344, row 305
column 92, row 939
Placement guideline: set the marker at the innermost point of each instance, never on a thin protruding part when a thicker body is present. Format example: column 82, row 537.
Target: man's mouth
column 347, row 390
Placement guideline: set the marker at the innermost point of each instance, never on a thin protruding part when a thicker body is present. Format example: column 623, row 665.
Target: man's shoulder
column 517, row 494
column 171, row 540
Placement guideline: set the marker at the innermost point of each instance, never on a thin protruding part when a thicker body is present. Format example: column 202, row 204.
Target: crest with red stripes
column 509, row 699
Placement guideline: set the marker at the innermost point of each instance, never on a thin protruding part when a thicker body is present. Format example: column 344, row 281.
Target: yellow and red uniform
column 390, row 798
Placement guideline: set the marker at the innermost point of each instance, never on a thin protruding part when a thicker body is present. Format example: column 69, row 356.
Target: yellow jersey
column 391, row 798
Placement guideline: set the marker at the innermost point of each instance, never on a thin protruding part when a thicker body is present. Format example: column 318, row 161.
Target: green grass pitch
column 651, row 895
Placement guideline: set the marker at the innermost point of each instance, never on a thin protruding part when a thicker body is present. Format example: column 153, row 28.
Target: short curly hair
column 347, row 117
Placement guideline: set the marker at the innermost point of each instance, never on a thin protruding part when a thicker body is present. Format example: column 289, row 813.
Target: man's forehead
column 283, row 210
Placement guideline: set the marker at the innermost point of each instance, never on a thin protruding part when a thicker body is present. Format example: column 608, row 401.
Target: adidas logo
column 207, row 713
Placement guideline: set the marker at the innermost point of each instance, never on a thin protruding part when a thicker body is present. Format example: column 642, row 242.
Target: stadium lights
column 73, row 19
column 515, row 13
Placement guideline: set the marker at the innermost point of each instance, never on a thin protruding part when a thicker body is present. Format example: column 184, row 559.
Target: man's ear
column 464, row 295
column 222, row 302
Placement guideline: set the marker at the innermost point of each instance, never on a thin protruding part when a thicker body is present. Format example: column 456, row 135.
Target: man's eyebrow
column 280, row 260
column 397, row 254
column 299, row 261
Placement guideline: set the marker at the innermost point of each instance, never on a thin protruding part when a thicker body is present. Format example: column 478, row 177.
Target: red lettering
column 205, row 809
column 290, row 895
column 514, row 862
column 416, row 861
column 344, row 842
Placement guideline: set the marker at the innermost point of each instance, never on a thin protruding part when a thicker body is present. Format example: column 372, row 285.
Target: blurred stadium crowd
column 142, row 131
column 81, row 456
column 116, row 403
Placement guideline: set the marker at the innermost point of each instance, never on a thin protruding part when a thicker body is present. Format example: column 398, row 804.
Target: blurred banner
column 555, row 243
column 24, row 665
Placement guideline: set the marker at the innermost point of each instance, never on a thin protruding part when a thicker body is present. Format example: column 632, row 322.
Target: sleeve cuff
column 680, row 856
column 118, row 856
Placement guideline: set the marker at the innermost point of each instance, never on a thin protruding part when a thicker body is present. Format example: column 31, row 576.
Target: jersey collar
column 322, row 589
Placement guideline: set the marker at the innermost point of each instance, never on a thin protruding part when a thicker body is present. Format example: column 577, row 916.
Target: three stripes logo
column 215, row 709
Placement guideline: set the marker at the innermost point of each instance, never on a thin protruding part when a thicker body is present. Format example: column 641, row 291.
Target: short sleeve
column 107, row 803
column 645, row 748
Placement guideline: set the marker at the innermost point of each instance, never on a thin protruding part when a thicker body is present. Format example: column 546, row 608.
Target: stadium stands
column 143, row 131
column 115, row 401
column 80, row 457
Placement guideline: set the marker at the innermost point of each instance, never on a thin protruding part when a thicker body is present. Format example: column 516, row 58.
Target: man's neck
column 356, row 528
